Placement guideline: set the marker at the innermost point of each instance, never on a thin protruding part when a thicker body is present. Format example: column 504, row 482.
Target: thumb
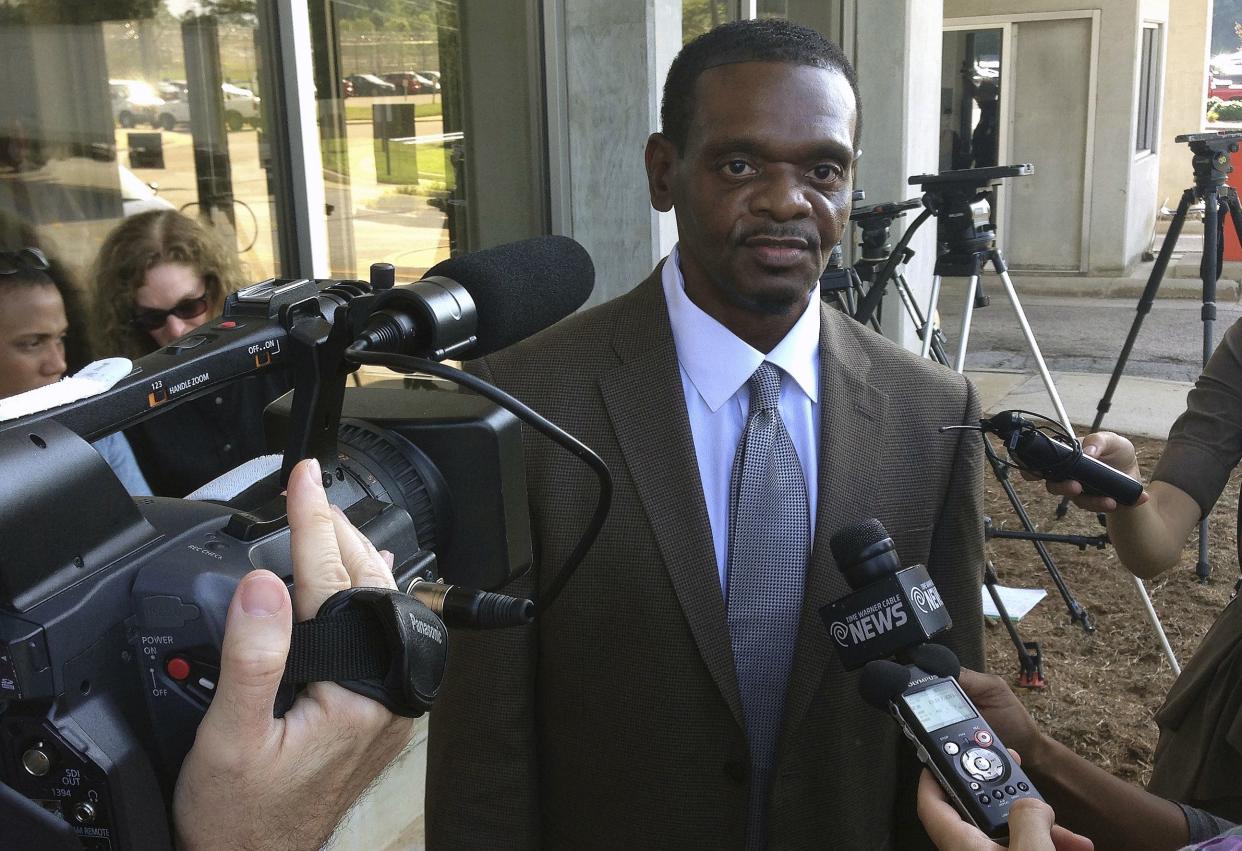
column 252, row 661
column 1030, row 825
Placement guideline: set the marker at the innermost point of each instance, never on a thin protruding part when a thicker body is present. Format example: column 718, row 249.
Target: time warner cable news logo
column 884, row 616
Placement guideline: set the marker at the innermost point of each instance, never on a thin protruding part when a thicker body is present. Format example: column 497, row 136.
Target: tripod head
column 874, row 222
column 960, row 200
column 1210, row 157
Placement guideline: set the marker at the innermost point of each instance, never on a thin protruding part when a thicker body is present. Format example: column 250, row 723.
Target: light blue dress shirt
column 715, row 366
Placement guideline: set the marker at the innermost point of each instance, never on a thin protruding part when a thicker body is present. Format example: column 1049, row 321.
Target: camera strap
column 377, row 642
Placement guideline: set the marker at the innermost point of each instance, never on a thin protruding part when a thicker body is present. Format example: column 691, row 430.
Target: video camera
column 112, row 609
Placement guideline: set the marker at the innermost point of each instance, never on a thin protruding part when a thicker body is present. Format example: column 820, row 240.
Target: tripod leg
column 1144, row 307
column 1077, row 613
column 968, row 311
column 1209, row 268
column 999, row 264
column 932, row 304
column 924, row 325
column 1156, row 625
column 1029, row 674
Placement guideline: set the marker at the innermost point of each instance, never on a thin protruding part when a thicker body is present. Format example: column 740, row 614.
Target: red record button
column 178, row 668
column 228, row 323
column 983, row 737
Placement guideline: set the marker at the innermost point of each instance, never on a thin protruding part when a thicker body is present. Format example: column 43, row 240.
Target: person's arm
column 254, row 781
column 1149, row 536
column 1114, row 813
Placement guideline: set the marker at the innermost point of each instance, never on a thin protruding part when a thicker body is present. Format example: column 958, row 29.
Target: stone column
column 896, row 52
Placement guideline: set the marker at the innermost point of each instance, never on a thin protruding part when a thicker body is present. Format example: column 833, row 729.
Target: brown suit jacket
column 615, row 720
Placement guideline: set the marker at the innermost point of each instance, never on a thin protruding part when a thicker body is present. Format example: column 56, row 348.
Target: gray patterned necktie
column 769, row 542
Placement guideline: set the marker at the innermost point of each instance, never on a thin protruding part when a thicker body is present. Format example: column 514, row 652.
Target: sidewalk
column 1144, row 407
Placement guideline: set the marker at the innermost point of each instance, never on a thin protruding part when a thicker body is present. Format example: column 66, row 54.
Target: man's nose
column 782, row 195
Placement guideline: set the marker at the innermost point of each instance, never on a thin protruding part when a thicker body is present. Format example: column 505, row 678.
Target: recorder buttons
column 984, row 799
column 982, row 765
column 951, row 748
column 1009, row 790
column 983, row 737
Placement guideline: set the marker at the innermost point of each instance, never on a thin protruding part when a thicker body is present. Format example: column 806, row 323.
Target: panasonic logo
column 867, row 626
column 427, row 630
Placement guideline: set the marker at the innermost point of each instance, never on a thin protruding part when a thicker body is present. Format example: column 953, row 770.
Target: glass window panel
column 388, row 83
column 772, row 9
column 112, row 107
column 699, row 16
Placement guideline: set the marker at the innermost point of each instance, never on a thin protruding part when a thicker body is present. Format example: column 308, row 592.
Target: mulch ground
column 1103, row 689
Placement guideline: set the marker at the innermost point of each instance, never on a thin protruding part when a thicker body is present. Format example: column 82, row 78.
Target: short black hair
column 758, row 40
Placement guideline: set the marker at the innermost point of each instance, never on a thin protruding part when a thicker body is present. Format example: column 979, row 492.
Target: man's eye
column 826, row 171
column 738, row 168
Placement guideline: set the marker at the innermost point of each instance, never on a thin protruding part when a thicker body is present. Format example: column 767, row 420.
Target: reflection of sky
column 178, row 8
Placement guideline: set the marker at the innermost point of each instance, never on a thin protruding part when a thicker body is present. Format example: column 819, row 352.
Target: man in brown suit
column 617, row 721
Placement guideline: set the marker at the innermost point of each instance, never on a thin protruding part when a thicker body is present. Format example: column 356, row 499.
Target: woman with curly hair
column 159, row 276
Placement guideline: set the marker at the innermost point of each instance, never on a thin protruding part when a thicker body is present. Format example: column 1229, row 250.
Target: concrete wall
column 1122, row 188
column 616, row 54
column 1185, row 91
column 896, row 50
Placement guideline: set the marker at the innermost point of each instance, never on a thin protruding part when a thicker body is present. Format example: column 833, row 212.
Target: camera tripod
column 880, row 262
column 966, row 244
column 1210, row 163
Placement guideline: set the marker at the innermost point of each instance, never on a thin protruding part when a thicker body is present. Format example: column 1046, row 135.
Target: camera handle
column 378, row 642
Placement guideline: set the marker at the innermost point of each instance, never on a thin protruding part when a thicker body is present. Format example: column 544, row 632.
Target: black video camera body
column 112, row 609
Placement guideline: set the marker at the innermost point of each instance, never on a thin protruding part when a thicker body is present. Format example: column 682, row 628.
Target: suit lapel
column 849, row 459
column 645, row 403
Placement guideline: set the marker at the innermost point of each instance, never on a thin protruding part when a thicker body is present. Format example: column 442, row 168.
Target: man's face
column 762, row 191
column 32, row 338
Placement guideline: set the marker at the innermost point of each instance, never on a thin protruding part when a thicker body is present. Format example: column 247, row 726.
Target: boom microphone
column 890, row 609
column 482, row 302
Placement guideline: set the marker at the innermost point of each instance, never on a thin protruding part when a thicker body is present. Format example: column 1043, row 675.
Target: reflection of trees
column 699, row 16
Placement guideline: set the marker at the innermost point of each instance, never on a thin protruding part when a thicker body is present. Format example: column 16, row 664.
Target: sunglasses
column 188, row 308
column 22, row 260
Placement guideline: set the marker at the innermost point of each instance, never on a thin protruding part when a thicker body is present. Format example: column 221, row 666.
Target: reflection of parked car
column 1224, row 88
column 138, row 197
column 412, row 82
column 241, row 107
column 369, row 85
column 434, row 76
column 134, row 101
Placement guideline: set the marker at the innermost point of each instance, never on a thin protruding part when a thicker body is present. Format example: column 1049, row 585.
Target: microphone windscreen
column 881, row 681
column 849, row 541
column 521, row 287
column 935, row 659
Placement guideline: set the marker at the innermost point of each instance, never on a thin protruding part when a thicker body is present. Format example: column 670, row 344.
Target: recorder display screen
column 939, row 706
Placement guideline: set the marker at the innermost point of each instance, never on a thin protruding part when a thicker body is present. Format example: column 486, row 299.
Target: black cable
column 408, row 363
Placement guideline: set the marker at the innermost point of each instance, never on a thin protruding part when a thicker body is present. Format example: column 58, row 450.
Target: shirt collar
column 718, row 362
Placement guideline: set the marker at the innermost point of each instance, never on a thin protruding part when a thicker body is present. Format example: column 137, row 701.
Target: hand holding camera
column 331, row 743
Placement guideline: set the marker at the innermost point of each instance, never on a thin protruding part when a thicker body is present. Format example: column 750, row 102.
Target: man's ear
column 661, row 158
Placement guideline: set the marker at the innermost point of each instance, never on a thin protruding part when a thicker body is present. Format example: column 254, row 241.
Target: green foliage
column 1230, row 110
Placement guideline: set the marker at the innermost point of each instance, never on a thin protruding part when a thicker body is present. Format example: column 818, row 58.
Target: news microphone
column 1057, row 460
column 481, row 302
column 890, row 608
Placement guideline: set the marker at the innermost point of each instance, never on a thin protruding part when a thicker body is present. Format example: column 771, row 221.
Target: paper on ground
column 1018, row 601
